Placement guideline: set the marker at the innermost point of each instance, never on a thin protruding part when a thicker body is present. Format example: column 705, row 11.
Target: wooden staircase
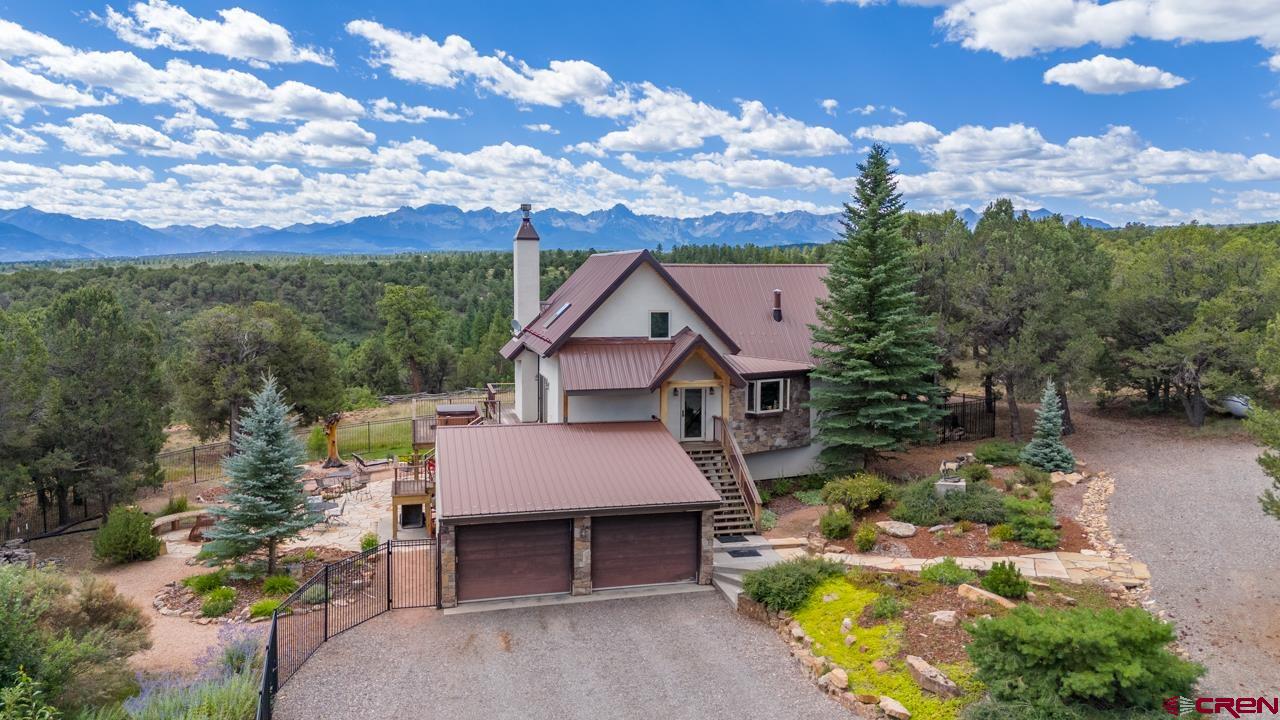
column 733, row 517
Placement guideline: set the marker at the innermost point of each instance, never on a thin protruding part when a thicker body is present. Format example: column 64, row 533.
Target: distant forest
column 340, row 300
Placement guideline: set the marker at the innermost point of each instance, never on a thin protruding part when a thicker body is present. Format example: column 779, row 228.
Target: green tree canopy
column 23, row 403
column 109, row 402
column 416, row 332
column 874, row 388
column 231, row 347
column 265, row 505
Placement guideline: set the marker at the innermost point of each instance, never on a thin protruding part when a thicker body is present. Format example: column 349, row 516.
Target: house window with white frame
column 768, row 397
column 659, row 325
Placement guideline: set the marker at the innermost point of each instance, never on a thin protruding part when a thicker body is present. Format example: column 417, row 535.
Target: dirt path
column 1187, row 506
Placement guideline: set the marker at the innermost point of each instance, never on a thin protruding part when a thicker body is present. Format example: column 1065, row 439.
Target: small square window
column 659, row 325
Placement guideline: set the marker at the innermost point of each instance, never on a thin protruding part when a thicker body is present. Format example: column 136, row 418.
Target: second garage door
column 511, row 559
column 644, row 549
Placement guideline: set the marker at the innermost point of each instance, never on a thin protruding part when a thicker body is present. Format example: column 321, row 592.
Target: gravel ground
column 671, row 657
column 1187, row 506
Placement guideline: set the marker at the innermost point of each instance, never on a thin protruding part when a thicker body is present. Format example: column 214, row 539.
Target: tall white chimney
column 527, row 270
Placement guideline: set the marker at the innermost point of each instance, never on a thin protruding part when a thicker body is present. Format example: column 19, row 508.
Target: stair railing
column 746, row 486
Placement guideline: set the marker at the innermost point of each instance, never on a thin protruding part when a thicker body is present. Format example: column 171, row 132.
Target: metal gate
column 395, row 574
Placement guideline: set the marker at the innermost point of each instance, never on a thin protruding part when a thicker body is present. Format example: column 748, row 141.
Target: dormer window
column 659, row 325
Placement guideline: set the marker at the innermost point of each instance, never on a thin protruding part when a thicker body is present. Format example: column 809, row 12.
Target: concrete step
column 728, row 586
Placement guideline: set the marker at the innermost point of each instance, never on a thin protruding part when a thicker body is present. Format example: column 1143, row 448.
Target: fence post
column 368, row 437
column 326, row 602
column 390, row 604
column 194, row 479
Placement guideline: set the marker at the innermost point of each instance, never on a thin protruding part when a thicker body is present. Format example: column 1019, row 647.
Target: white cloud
column 909, row 133
column 418, row 58
column 108, row 171
column 19, row 141
column 1105, row 75
column 866, row 109
column 17, row 41
column 98, row 135
column 1018, row 28
column 335, row 132
column 830, row 105
column 387, row 110
column 21, row 89
column 240, row 34
column 542, row 128
column 741, row 171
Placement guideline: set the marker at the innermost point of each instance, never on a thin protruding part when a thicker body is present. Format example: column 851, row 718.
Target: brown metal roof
column 754, row 367
column 589, row 286
column 603, row 364
column 488, row 471
column 594, row 364
column 740, row 299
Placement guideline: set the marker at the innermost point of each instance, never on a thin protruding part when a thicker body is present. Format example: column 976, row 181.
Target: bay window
column 765, row 397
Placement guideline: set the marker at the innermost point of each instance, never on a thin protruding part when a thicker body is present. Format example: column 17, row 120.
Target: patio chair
column 333, row 516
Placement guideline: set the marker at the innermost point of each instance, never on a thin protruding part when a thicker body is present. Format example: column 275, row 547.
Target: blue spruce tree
column 1046, row 449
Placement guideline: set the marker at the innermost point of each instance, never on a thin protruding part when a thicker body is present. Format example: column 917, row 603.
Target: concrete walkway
column 1073, row 567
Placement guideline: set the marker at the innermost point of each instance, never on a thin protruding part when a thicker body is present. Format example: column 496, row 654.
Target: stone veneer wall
column 582, row 556
column 448, row 567
column 788, row 429
column 707, row 558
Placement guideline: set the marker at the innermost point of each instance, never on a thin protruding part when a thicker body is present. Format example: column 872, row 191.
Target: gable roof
column 585, row 290
column 604, row 364
column 488, row 471
column 740, row 299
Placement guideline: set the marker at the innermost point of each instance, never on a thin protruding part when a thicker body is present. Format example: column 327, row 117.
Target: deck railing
column 737, row 463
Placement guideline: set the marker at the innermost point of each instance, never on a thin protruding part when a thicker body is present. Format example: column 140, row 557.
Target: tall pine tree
column 1046, row 449
column 266, row 505
column 873, row 388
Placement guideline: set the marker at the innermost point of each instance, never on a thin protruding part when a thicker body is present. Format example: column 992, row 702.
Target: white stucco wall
column 550, row 369
column 783, row 463
column 626, row 312
column 527, row 386
column 613, row 406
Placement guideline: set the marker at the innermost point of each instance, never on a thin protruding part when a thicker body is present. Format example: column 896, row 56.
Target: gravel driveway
column 670, row 657
column 1187, row 506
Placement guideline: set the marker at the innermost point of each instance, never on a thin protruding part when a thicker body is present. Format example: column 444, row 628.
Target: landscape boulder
column 930, row 678
column 893, row 528
column 977, row 594
column 894, row 709
column 945, row 618
column 835, row 681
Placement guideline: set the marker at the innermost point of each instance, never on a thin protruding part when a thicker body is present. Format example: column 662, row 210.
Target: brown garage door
column 644, row 549
column 517, row 558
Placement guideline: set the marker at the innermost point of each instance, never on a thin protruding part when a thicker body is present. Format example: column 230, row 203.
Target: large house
column 629, row 338
column 649, row 398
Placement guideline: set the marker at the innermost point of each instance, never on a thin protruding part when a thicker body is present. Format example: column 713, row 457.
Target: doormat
column 744, row 552
column 727, row 539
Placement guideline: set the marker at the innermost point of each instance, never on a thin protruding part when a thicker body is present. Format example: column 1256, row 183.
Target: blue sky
column 272, row 113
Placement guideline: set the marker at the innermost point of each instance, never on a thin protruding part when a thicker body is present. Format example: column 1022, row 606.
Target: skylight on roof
column 557, row 315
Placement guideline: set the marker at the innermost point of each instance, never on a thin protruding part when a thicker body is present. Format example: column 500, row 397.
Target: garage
column 512, row 559
column 631, row 550
column 545, row 509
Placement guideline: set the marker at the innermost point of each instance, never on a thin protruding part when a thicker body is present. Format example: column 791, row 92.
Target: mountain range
column 27, row 234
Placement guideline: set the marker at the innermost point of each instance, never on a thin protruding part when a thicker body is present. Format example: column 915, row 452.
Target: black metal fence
column 29, row 518
column 346, row 593
column 966, row 418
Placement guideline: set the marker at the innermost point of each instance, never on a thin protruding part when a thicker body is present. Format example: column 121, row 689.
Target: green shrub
column 948, row 572
column 836, row 524
column 768, row 520
column 233, row 697
column 369, row 541
column 865, row 538
column 218, row 602
column 263, row 608
column 317, row 443
column 1005, row 580
column 856, row 494
column 177, row 504
column 315, row 594
column 359, row 398
column 787, row 585
column 997, row 452
column 815, row 481
column 125, row 537
column 1105, row 658
column 206, row 583
column 975, row 472
column 25, row 701
column 885, row 607
column 920, row 505
column 1032, row 476
column 809, row 497
column 1002, row 532
column 1032, row 522
column 279, row 585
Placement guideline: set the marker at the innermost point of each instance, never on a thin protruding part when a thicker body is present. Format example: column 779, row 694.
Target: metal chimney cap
column 526, row 231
